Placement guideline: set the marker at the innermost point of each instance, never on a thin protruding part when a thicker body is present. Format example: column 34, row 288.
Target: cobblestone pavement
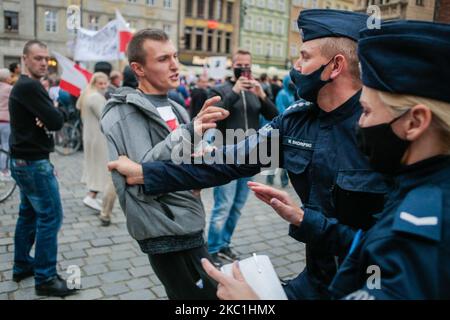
column 112, row 265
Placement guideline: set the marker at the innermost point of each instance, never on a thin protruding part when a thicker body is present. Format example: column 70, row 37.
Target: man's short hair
column 330, row 46
column 114, row 75
column 103, row 66
column 31, row 43
column 13, row 66
column 241, row 52
column 136, row 52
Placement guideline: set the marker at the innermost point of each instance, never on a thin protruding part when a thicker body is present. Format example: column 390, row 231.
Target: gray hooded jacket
column 133, row 127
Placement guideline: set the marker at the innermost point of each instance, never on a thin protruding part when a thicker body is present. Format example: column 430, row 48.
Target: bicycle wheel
column 67, row 140
column 7, row 183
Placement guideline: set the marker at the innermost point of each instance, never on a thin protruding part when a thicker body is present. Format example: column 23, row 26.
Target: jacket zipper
column 245, row 111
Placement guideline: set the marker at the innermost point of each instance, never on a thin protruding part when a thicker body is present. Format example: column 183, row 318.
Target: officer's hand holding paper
column 250, row 279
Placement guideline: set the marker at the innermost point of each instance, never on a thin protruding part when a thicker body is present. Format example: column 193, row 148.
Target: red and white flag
column 169, row 117
column 73, row 78
column 125, row 33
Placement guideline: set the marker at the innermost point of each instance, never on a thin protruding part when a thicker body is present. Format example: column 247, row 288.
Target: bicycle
column 69, row 139
column 7, row 183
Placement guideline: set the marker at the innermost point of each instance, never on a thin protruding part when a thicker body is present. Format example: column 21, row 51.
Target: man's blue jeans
column 228, row 202
column 40, row 218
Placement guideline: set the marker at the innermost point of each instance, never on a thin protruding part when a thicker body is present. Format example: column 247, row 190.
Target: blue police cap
column 407, row 57
column 321, row 23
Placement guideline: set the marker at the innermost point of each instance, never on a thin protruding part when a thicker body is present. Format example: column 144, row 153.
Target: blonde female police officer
column 405, row 132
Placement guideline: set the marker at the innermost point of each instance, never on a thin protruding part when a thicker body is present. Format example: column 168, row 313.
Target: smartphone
column 247, row 72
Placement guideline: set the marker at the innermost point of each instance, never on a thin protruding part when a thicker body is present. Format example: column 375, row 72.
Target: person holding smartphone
column 246, row 101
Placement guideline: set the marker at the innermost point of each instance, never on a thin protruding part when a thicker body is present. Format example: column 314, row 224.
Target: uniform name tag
column 301, row 144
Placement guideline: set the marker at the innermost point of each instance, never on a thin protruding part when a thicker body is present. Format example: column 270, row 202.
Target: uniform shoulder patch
column 266, row 130
column 420, row 213
column 298, row 106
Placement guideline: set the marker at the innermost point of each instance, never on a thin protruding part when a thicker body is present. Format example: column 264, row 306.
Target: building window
column 230, row 12
column 228, row 42
column 167, row 28
column 209, row 47
column 248, row 23
column 133, row 24
column 258, row 47
column 280, row 27
column 168, row 4
column 201, row 9
column 219, row 12
column 188, row 8
column 279, row 50
column 259, row 24
column 199, row 39
column 271, row 4
column 261, row 3
column 294, row 25
column 314, row 4
column 269, row 26
column 269, row 49
column 93, row 22
column 282, row 5
column 294, row 50
column 219, row 41
column 11, row 21
column 419, row 3
column 211, row 10
column 51, row 20
column 248, row 44
column 133, row 1
column 151, row 2
column 188, row 38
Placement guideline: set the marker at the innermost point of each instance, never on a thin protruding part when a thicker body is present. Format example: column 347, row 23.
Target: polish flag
column 125, row 33
column 73, row 78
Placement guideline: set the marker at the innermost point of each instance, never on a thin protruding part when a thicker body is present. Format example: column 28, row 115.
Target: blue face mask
column 309, row 85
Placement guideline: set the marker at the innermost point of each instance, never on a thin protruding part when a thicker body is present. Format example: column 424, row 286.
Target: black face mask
column 383, row 147
column 309, row 85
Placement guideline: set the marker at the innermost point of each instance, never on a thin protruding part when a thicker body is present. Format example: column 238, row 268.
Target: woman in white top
column 95, row 172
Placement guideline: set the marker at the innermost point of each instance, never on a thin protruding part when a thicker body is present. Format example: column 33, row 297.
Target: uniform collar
column 432, row 169
column 344, row 111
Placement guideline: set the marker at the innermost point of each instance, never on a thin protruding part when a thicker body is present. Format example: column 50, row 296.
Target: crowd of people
column 363, row 128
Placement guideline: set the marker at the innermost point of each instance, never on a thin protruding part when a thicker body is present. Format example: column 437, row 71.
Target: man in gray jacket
column 145, row 125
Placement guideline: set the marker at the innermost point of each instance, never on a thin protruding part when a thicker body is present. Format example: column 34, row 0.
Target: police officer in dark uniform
column 405, row 132
column 317, row 147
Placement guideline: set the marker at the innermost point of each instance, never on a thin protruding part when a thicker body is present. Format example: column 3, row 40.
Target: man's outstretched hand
column 132, row 171
column 209, row 115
